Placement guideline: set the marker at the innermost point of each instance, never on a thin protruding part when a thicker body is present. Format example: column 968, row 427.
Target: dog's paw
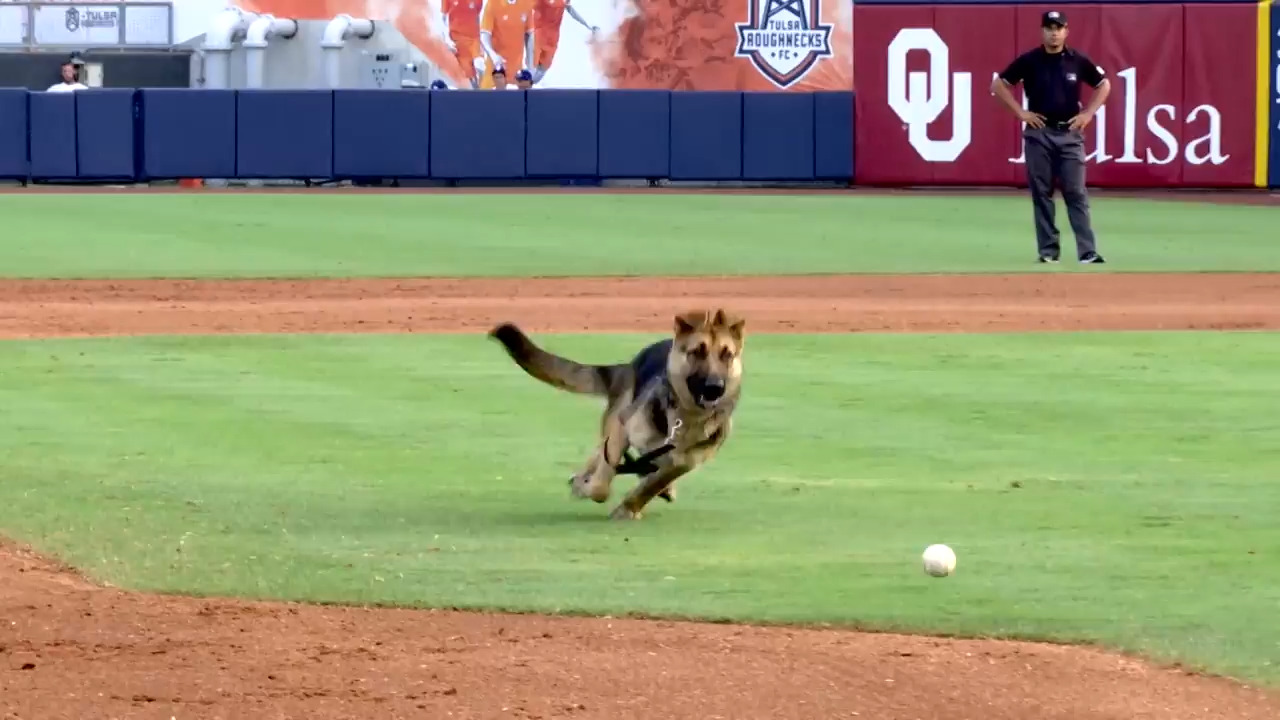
column 584, row 488
column 669, row 494
column 622, row 512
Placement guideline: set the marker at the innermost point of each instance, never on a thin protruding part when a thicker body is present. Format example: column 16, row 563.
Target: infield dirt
column 826, row 303
column 70, row 648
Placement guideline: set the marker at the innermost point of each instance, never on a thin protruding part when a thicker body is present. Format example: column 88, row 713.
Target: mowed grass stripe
column 299, row 235
column 425, row 470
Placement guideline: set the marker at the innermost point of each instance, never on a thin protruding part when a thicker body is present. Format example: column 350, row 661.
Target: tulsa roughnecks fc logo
column 784, row 38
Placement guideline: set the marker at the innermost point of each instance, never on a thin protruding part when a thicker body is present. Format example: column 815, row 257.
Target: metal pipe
column 334, row 39
column 262, row 29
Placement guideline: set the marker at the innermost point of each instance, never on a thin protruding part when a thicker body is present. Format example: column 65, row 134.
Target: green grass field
column 445, row 234
column 398, row 469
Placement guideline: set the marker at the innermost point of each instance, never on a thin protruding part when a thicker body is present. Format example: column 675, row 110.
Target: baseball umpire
column 1053, row 138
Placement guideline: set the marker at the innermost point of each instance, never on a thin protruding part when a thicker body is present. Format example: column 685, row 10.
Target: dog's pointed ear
column 738, row 327
column 727, row 320
column 687, row 323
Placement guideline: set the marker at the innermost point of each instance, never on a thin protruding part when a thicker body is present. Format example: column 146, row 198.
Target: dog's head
column 705, row 365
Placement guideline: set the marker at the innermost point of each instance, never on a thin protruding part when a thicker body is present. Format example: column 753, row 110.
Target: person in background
column 499, row 76
column 524, row 80
column 547, row 16
column 1053, row 131
column 506, row 34
column 461, row 33
column 70, row 79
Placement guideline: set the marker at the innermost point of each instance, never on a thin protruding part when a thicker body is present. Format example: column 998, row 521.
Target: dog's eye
column 700, row 351
column 726, row 354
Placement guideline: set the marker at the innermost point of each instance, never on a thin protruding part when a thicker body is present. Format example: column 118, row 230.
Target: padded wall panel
column 13, row 133
column 187, row 133
column 777, row 136
column 706, row 135
column 635, row 133
column 1273, row 118
column 834, row 127
column 105, row 134
column 562, row 138
column 53, row 135
column 381, row 133
column 284, row 134
column 477, row 135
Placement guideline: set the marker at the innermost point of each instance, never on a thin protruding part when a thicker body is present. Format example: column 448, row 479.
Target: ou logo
column 918, row 104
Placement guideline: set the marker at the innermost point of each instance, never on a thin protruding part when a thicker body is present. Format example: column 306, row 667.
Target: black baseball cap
column 1053, row 17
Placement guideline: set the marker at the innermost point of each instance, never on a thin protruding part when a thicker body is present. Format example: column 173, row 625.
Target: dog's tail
column 554, row 370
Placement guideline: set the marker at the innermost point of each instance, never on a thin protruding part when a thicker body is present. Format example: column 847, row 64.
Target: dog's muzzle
column 707, row 391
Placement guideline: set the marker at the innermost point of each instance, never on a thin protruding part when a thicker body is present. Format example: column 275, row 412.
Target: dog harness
column 645, row 464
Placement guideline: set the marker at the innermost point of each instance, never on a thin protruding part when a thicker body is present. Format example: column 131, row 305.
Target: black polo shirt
column 1051, row 81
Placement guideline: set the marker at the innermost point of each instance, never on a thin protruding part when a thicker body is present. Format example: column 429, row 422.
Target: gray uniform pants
column 1054, row 154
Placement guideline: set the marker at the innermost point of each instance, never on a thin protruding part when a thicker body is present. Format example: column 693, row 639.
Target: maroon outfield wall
column 1181, row 111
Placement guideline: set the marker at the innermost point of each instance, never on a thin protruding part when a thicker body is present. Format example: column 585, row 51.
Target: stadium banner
column 761, row 45
column 1269, row 89
column 926, row 114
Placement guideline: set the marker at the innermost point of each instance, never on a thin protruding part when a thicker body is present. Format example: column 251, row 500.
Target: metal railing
column 26, row 24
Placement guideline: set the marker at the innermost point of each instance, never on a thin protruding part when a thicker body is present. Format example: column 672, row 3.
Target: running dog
column 673, row 403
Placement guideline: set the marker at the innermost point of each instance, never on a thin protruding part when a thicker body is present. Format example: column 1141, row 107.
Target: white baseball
column 939, row 560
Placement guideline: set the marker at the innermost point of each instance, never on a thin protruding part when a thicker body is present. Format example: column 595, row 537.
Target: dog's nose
column 713, row 388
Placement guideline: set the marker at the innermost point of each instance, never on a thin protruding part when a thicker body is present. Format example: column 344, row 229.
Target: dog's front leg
column 595, row 480
column 646, row 490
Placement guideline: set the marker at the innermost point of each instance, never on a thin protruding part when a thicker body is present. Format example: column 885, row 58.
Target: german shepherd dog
column 673, row 402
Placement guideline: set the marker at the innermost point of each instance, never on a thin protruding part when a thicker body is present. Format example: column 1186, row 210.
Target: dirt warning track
column 73, row 649
column 964, row 303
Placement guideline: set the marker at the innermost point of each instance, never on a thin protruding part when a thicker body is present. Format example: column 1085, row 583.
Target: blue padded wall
column 53, row 135
column 833, row 123
column 562, row 133
column 706, row 136
column 477, row 134
column 635, row 133
column 574, row 135
column 777, row 136
column 187, row 133
column 1273, row 175
column 105, row 134
column 381, row 133
column 284, row 133
column 13, row 134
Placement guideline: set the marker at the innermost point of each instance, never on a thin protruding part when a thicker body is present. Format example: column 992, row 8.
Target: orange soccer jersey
column 464, row 31
column 547, row 15
column 508, row 21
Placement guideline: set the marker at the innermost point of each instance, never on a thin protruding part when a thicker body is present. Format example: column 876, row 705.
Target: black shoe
column 1092, row 258
column 1047, row 259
